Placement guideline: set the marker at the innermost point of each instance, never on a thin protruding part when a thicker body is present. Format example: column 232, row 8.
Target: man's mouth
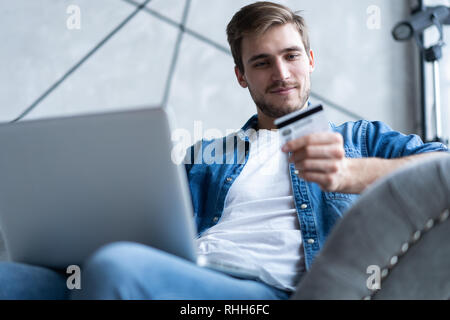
column 283, row 91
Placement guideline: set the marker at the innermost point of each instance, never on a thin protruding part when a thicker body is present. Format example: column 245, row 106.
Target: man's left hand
column 320, row 158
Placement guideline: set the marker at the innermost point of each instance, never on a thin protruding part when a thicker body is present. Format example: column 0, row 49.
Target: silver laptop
column 70, row 185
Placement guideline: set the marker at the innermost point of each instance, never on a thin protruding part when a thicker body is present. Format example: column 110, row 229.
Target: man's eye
column 259, row 64
column 293, row 56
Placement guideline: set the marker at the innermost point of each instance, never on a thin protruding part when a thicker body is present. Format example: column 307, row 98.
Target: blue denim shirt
column 213, row 165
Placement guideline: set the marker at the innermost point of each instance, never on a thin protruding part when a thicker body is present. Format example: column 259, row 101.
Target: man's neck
column 265, row 122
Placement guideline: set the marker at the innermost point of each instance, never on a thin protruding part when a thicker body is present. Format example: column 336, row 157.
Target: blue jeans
column 126, row 270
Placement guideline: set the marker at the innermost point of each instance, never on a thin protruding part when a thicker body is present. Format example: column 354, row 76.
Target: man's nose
column 280, row 71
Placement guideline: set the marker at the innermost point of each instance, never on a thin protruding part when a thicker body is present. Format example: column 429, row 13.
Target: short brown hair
column 257, row 18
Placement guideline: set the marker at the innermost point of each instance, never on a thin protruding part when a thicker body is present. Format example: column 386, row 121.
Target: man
column 263, row 209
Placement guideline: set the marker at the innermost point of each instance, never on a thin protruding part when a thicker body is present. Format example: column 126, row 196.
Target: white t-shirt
column 259, row 227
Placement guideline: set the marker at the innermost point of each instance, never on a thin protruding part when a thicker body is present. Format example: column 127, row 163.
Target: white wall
column 360, row 69
column 431, row 37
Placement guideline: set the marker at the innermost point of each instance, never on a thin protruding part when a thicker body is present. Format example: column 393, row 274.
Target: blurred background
column 70, row 57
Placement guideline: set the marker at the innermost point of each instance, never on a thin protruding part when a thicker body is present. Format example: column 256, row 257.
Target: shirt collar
column 252, row 123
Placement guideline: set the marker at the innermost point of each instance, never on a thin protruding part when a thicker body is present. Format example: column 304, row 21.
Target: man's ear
column 240, row 77
column 312, row 64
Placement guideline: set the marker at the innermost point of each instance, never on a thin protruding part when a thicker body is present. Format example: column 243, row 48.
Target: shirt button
column 229, row 179
column 304, row 206
column 310, row 241
column 215, row 219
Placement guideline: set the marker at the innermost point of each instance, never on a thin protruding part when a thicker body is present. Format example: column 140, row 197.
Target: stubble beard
column 274, row 111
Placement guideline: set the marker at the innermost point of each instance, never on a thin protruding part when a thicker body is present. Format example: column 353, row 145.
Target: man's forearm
column 362, row 172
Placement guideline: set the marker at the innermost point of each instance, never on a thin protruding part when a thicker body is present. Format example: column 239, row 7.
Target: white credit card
column 301, row 123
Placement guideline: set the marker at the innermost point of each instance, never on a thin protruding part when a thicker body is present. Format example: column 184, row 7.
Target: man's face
column 277, row 70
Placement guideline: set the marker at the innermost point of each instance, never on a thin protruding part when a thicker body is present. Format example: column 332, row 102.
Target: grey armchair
column 398, row 232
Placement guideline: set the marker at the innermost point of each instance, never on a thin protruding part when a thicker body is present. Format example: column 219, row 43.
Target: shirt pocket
column 331, row 196
column 338, row 203
column 337, row 207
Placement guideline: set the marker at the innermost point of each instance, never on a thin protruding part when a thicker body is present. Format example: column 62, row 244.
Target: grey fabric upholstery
column 385, row 220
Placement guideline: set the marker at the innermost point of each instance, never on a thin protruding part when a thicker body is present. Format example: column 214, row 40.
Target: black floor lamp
column 414, row 27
